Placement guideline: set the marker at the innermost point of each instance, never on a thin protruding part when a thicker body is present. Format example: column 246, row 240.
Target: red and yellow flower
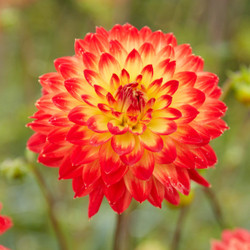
column 5, row 224
column 238, row 239
column 130, row 115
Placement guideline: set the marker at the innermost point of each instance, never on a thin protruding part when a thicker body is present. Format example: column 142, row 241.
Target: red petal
column 143, row 169
column 162, row 126
column 139, row 189
column 108, row 66
column 57, row 135
column 117, row 50
column 69, row 70
column 115, row 127
column 194, row 175
column 78, row 86
column 67, row 171
column 147, row 53
column 163, row 102
column 157, row 193
column 172, row 196
column 98, row 123
column 169, row 87
column 64, row 101
column 147, row 74
column 187, row 135
column 109, row 160
column 182, row 51
column 185, row 158
column 186, row 78
column 189, row 96
column 78, row 135
column 168, row 153
column 91, row 173
column 209, row 154
column 89, row 60
column 36, row 142
column 95, row 200
column 134, row 156
column 114, row 177
column 188, row 112
column 167, row 52
column 99, row 138
column 115, row 192
column 151, row 141
column 60, row 120
column 84, row 154
column 80, row 114
column 92, row 77
column 133, row 64
column 123, row 144
column 121, row 205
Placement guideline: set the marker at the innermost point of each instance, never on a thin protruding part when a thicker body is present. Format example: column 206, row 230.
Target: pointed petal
column 80, row 114
column 98, row 123
column 115, row 192
column 157, row 193
column 95, row 200
column 194, row 175
column 108, row 66
column 84, row 154
column 91, row 173
column 143, row 169
column 121, row 205
column 151, row 141
column 64, row 101
column 67, row 171
column 139, row 189
column 162, row 126
column 134, row 156
column 187, row 135
column 99, row 138
column 115, row 127
column 186, row 78
column 123, row 144
column 115, row 176
column 147, row 53
column 36, row 142
column 133, row 64
column 78, row 135
column 109, row 160
column 168, row 153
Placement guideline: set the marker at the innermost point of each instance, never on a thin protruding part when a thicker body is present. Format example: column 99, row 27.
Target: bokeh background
column 35, row 32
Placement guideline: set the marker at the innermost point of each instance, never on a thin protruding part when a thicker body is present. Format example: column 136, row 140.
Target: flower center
column 132, row 100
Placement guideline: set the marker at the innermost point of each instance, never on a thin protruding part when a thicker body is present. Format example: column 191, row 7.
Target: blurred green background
column 35, row 32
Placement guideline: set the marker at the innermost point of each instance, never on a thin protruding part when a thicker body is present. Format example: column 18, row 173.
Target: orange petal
column 151, row 141
column 123, row 144
column 134, row 156
column 98, row 123
column 162, row 126
column 108, row 66
column 133, row 64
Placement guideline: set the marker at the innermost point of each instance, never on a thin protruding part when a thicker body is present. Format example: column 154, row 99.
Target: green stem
column 50, row 205
column 179, row 226
column 121, row 241
column 215, row 206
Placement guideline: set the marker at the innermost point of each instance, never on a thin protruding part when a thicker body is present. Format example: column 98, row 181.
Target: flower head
column 238, row 239
column 130, row 115
column 5, row 224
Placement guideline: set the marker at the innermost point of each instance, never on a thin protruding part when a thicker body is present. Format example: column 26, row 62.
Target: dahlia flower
column 5, row 224
column 238, row 239
column 130, row 115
